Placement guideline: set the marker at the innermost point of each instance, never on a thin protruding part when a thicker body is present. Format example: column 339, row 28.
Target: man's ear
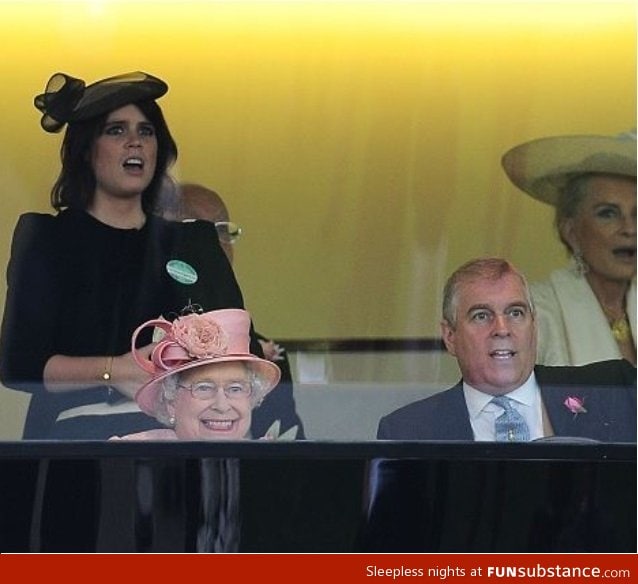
column 448, row 336
column 535, row 330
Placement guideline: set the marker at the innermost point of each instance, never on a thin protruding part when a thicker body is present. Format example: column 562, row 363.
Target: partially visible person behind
column 204, row 382
column 587, row 310
column 187, row 202
column 489, row 325
column 81, row 280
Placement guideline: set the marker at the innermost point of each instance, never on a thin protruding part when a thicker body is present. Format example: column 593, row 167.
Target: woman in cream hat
column 587, row 310
column 204, row 382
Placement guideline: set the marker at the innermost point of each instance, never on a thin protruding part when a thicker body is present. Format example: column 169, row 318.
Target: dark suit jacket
column 607, row 388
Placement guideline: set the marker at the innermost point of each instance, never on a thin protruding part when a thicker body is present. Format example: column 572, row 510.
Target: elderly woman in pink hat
column 204, row 380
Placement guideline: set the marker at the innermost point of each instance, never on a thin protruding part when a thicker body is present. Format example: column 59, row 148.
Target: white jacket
column 572, row 327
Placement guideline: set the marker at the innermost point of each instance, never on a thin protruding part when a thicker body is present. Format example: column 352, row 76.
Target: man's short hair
column 478, row 269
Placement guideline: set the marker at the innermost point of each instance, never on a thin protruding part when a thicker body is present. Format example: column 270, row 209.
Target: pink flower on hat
column 200, row 335
column 575, row 405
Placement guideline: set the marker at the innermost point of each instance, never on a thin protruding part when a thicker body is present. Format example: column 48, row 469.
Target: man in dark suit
column 489, row 326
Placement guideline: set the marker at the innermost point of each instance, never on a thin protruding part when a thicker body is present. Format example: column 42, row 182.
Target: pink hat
column 195, row 340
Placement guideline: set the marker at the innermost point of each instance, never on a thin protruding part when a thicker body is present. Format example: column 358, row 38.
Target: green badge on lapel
column 181, row 272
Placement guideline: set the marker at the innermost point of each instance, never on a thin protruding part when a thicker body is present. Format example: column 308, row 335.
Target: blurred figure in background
column 586, row 311
column 187, row 202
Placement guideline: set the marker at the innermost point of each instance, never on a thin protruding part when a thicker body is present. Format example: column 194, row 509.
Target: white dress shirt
column 526, row 400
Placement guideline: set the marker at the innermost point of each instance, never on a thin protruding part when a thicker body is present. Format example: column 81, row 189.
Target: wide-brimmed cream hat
column 543, row 167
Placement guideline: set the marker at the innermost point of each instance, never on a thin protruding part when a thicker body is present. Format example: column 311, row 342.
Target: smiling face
column 124, row 155
column 494, row 338
column 604, row 228
column 217, row 417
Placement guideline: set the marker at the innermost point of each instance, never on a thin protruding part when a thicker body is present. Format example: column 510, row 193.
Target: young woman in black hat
column 82, row 280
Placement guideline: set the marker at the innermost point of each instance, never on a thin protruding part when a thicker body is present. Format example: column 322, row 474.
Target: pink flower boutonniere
column 575, row 405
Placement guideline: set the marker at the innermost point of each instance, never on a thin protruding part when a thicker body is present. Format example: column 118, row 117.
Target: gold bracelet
column 107, row 369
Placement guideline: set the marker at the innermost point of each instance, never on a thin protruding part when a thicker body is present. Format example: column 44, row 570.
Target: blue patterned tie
column 510, row 426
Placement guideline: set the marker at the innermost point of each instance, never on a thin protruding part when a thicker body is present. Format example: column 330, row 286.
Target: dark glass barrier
column 317, row 497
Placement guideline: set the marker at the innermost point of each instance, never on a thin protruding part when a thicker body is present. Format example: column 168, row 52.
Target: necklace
column 620, row 328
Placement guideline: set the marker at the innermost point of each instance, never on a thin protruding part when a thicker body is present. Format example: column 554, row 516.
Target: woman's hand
column 126, row 375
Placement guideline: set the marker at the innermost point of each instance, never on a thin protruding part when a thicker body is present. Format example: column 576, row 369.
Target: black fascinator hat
column 67, row 99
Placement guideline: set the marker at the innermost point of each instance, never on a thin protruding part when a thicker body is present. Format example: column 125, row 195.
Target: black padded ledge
column 315, row 497
column 559, row 450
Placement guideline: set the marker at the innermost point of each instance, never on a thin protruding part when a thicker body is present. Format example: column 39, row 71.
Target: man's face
column 494, row 339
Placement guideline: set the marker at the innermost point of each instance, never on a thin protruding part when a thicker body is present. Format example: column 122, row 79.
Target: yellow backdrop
column 357, row 143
